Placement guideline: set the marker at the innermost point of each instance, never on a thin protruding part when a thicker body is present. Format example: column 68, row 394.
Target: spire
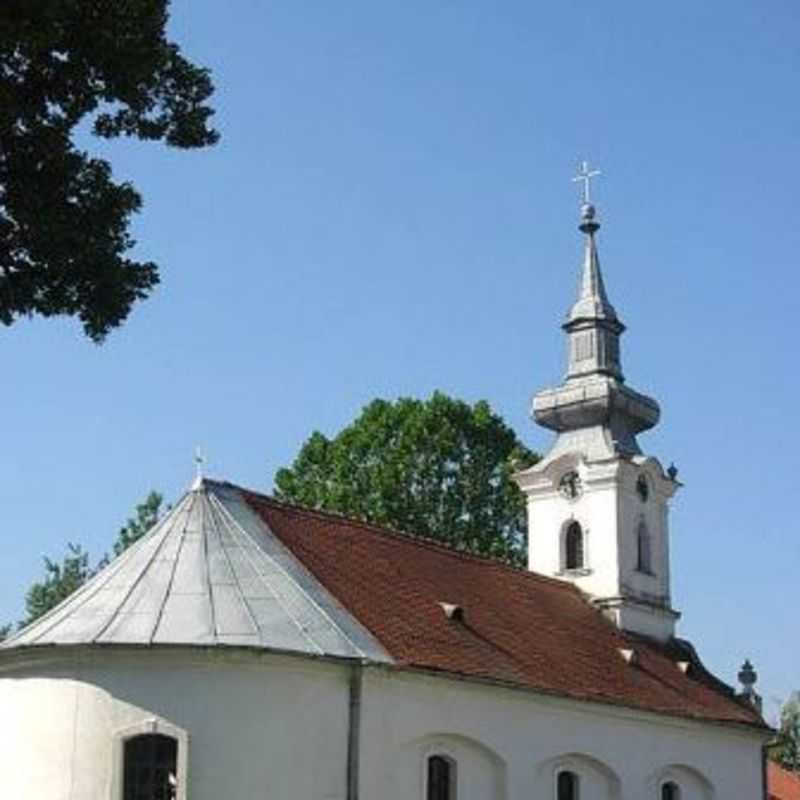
column 592, row 300
column 592, row 323
column 593, row 393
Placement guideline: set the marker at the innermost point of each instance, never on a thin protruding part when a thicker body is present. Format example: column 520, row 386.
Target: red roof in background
column 782, row 784
column 518, row 627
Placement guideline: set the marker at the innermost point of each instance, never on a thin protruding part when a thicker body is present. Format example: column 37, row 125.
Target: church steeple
column 592, row 323
column 594, row 398
column 597, row 506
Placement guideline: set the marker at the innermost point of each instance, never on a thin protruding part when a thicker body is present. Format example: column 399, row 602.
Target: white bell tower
column 598, row 507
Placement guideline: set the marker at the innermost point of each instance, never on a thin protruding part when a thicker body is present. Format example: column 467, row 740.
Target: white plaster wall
column 275, row 728
column 596, row 511
column 521, row 740
column 261, row 727
column 654, row 513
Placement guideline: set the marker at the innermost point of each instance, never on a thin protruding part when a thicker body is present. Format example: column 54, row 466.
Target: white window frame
column 566, row 768
column 149, row 726
column 443, row 751
column 585, row 569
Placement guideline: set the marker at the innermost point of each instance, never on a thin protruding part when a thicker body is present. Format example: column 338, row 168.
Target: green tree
column 146, row 516
column 5, row 631
column 439, row 467
column 64, row 223
column 785, row 749
column 60, row 581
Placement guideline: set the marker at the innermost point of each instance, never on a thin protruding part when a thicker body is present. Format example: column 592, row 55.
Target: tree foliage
column 60, row 581
column 440, row 468
column 785, row 750
column 62, row 578
column 146, row 515
column 63, row 220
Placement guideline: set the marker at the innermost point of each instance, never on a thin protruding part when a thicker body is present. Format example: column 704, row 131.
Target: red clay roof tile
column 782, row 784
column 518, row 628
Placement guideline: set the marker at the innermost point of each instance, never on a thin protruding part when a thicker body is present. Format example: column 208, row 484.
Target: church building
column 247, row 649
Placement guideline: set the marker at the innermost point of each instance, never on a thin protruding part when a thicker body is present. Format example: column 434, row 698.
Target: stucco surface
column 275, row 727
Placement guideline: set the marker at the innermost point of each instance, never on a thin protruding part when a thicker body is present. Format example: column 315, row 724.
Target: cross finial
column 199, row 463
column 585, row 175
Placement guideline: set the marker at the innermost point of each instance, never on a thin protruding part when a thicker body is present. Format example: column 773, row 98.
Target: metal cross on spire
column 585, row 175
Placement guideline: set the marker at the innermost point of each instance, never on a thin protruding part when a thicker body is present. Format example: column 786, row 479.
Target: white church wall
column 266, row 727
column 596, row 512
column 619, row 754
column 480, row 772
column 654, row 514
column 257, row 726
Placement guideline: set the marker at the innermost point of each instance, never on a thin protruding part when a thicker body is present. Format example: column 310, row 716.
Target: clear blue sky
column 390, row 212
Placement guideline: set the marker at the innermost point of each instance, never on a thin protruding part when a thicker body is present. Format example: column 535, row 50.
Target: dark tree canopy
column 63, row 220
column 440, row 468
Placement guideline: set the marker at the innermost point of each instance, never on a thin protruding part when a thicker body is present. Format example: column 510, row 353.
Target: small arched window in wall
column 643, row 549
column 150, row 767
column 567, row 786
column 574, row 555
column 670, row 791
column 441, row 778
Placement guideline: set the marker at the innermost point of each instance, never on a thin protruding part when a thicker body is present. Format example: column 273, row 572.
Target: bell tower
column 597, row 506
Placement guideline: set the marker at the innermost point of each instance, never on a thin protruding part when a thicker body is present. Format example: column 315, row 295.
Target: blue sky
column 390, row 212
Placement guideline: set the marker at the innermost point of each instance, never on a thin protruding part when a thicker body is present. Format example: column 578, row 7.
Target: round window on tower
column 570, row 485
column 642, row 488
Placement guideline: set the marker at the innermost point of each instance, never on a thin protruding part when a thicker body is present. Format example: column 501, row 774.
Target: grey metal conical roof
column 210, row 573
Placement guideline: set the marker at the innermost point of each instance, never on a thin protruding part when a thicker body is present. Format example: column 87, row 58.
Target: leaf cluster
column 785, row 749
column 146, row 516
column 440, row 468
column 63, row 220
column 60, row 581
column 62, row 578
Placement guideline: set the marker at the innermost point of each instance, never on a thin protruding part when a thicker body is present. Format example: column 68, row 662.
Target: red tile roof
column 518, row 628
column 782, row 784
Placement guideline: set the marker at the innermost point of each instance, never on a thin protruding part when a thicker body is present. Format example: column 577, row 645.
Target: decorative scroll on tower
column 598, row 507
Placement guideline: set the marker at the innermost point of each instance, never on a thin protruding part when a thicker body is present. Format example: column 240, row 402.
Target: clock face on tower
column 570, row 485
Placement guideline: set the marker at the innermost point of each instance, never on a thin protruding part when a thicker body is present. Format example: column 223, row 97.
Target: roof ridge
column 407, row 536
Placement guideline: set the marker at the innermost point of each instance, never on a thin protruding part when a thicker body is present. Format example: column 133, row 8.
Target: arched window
column 441, row 778
column 567, row 786
column 643, row 554
column 670, row 791
column 150, row 767
column 573, row 547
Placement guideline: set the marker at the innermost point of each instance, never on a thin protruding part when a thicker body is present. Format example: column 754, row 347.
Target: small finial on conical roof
column 199, row 463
